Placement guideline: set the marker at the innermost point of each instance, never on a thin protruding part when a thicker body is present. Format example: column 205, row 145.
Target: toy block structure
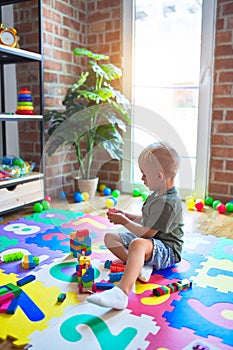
column 86, row 275
column 30, row 262
column 172, row 287
column 9, row 296
column 80, row 241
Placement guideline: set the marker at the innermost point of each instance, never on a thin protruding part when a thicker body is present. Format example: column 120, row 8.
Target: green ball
column 145, row 195
column 46, row 205
column 116, row 193
column 216, row 203
column 209, row 201
column 136, row 192
column 38, row 208
column 229, row 207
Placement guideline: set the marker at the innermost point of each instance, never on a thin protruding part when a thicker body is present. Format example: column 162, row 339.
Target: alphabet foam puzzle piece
column 92, row 327
column 207, row 315
column 222, row 281
column 55, row 217
column 34, row 310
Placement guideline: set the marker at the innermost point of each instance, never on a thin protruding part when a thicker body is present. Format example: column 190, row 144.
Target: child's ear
column 160, row 175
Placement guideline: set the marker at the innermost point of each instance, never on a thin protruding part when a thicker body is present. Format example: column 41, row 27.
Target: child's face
column 152, row 179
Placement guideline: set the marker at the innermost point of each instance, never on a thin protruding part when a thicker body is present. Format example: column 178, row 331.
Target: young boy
column 154, row 240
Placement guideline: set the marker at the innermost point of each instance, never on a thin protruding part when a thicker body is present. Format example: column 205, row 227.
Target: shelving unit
column 19, row 192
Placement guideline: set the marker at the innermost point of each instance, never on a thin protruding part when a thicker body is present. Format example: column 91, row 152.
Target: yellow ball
column 189, row 198
column 190, row 204
column 102, row 187
column 85, row 196
column 109, row 203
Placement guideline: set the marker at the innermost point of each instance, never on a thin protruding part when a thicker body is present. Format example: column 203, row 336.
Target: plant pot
column 84, row 185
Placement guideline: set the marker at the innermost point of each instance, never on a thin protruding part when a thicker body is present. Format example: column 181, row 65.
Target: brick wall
column 221, row 160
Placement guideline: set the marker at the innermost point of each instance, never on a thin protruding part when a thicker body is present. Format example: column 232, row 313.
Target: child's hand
column 116, row 217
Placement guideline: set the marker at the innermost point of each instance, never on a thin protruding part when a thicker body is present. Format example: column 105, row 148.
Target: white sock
column 145, row 273
column 114, row 298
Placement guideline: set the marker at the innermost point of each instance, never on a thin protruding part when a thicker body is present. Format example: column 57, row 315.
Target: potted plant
column 95, row 114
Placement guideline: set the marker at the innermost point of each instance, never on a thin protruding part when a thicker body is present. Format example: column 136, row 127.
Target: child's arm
column 132, row 217
column 139, row 230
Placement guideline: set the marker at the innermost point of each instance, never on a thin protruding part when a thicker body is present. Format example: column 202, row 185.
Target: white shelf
column 34, row 175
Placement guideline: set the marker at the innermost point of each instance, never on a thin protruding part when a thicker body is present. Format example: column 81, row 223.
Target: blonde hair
column 160, row 156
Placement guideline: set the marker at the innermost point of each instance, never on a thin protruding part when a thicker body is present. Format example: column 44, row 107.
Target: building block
column 107, row 264
column 104, row 285
column 115, row 276
column 61, row 297
column 12, row 257
column 117, row 267
column 172, row 287
column 13, row 306
column 10, row 288
column 6, row 297
column 30, row 262
column 25, row 280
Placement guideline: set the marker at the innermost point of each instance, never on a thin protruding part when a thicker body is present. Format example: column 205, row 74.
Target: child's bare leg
column 117, row 297
column 140, row 250
column 114, row 243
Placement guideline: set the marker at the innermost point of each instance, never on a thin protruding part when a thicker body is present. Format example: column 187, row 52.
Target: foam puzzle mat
column 200, row 317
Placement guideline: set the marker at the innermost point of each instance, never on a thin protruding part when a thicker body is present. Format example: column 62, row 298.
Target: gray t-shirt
column 164, row 214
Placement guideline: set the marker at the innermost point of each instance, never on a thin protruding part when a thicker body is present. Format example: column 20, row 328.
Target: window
column 169, row 47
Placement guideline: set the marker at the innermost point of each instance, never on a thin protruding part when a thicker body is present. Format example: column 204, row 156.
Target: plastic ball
column 85, row 196
column 209, row 201
column 221, row 208
column 109, row 203
column 62, row 195
column 190, row 204
column 48, row 199
column 136, row 192
column 145, row 195
column 189, row 198
column 216, row 203
column 102, row 187
column 45, row 205
column 107, row 191
column 116, row 193
column 229, row 207
column 199, row 205
column 114, row 200
column 38, row 208
column 78, row 197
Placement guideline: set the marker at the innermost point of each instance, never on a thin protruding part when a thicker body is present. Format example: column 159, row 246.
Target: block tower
column 80, row 243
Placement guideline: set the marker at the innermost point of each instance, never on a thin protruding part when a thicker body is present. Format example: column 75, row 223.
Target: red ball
column 48, row 199
column 221, row 208
column 199, row 206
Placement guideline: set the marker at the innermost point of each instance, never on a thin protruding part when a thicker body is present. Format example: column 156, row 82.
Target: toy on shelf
column 172, row 287
column 15, row 167
column 8, row 36
column 25, row 104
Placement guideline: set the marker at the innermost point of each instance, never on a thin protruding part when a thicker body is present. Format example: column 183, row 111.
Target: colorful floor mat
column 198, row 318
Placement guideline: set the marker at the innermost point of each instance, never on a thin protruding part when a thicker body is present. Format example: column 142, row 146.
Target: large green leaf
column 78, row 51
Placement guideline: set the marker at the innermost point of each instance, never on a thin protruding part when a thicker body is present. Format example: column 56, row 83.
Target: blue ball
column 107, row 191
column 62, row 195
column 78, row 197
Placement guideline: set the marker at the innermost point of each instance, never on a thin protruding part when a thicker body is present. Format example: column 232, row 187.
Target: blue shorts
column 162, row 256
